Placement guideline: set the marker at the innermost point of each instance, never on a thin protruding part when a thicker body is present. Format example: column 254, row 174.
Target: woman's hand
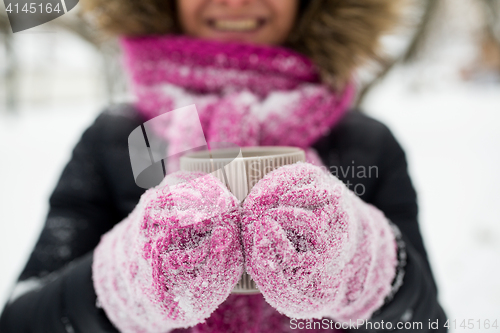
column 314, row 248
column 174, row 259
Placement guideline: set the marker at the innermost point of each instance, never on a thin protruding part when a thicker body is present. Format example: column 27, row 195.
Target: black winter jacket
column 97, row 190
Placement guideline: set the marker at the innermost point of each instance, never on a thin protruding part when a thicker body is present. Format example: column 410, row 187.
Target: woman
column 261, row 72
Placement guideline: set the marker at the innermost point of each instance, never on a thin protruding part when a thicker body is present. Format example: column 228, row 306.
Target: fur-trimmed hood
column 338, row 35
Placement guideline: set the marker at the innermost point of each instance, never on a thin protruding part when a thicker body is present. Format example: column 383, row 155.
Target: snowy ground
column 449, row 131
column 34, row 146
column 452, row 142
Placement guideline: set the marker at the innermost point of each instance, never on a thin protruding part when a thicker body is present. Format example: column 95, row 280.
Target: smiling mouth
column 236, row 25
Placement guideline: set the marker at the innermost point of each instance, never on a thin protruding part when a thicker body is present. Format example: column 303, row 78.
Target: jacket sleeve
column 64, row 301
column 364, row 154
column 81, row 210
column 416, row 300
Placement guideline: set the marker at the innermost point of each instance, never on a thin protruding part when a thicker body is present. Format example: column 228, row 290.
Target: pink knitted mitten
column 174, row 259
column 314, row 248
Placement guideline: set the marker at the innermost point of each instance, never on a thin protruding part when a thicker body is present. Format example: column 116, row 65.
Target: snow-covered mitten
column 314, row 248
column 174, row 259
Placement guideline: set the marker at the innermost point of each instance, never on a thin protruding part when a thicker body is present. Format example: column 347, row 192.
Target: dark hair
column 338, row 35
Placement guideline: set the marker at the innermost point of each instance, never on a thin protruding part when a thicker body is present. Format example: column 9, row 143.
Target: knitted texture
column 252, row 314
column 314, row 248
column 248, row 95
column 174, row 259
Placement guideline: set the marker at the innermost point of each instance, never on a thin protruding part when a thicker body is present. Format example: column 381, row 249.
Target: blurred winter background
column 439, row 92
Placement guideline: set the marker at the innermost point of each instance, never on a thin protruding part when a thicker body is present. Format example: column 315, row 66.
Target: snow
column 450, row 134
column 34, row 147
column 448, row 129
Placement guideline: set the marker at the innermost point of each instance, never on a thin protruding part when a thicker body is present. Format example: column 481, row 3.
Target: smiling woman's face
column 251, row 21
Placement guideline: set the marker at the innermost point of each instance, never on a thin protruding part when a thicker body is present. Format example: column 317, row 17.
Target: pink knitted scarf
column 248, row 95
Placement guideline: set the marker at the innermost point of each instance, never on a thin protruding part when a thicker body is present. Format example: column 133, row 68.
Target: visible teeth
column 236, row 25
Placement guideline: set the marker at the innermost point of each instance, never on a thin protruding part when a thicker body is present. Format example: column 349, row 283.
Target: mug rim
column 257, row 152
